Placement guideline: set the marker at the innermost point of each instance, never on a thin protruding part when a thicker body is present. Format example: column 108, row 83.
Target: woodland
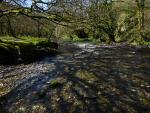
column 74, row 56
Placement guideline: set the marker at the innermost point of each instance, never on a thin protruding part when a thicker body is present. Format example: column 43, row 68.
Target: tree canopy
column 101, row 19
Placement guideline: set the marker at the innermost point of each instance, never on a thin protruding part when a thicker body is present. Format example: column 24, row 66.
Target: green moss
column 23, row 39
column 27, row 48
column 85, row 75
column 33, row 40
column 3, row 46
column 146, row 43
column 8, row 47
column 26, row 41
column 55, row 84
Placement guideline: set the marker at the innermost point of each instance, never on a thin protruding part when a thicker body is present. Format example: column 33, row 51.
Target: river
column 90, row 78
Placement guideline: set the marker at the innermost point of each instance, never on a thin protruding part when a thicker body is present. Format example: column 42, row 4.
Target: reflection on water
column 83, row 79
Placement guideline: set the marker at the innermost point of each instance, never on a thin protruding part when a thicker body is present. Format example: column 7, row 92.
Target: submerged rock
column 55, row 83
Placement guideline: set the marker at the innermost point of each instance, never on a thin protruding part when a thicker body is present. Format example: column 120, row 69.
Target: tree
column 140, row 12
column 10, row 29
column 103, row 19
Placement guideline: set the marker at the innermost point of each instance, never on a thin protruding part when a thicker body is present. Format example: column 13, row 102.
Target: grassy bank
column 76, row 39
column 24, row 49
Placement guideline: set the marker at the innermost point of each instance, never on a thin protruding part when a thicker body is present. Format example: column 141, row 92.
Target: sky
column 29, row 2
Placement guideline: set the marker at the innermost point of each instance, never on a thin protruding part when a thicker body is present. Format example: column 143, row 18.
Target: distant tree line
column 106, row 20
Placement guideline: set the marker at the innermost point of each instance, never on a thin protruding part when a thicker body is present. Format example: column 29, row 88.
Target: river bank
column 25, row 49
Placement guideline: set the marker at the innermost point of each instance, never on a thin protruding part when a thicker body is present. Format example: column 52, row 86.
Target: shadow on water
column 88, row 80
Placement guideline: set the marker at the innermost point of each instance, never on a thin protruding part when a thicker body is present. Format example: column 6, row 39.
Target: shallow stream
column 94, row 79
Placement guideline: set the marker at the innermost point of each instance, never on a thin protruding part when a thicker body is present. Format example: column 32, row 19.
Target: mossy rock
column 47, row 44
column 87, row 76
column 8, row 53
column 25, row 50
column 28, row 52
column 55, row 84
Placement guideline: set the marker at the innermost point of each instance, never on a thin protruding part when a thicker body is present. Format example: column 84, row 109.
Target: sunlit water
column 98, row 79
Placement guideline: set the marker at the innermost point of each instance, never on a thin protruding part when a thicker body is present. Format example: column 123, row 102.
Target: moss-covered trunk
column 140, row 14
column 10, row 29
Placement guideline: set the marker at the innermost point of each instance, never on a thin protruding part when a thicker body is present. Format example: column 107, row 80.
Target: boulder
column 13, row 52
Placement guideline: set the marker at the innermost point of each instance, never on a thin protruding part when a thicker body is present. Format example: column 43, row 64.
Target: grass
column 27, row 48
column 76, row 39
column 22, row 40
column 34, row 40
column 146, row 43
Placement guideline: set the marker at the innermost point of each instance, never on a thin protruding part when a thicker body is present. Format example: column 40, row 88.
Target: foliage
column 104, row 20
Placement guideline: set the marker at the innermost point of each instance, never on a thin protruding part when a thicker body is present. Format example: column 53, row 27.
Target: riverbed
column 89, row 79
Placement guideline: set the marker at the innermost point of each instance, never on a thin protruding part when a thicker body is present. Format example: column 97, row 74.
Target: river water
column 90, row 79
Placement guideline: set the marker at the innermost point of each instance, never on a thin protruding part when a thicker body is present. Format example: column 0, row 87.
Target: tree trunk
column 140, row 6
column 38, row 28
column 142, row 17
column 10, row 29
column 1, row 27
